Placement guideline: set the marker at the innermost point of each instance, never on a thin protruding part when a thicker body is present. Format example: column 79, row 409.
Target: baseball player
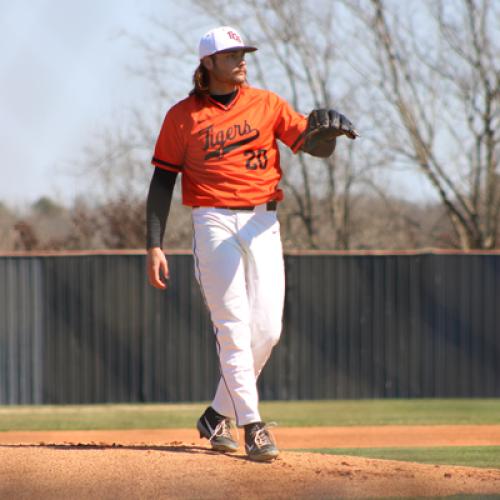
column 222, row 138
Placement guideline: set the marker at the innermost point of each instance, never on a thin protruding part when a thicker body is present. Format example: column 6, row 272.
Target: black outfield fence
column 87, row 328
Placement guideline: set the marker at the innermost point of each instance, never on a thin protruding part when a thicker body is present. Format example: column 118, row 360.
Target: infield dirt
column 174, row 463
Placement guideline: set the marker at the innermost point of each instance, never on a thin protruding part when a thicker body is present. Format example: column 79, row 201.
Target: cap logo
column 234, row 36
column 222, row 39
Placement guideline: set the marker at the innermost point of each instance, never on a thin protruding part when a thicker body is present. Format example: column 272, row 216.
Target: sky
column 63, row 77
column 63, row 74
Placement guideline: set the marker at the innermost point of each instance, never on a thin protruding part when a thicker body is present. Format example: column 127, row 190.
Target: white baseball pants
column 239, row 266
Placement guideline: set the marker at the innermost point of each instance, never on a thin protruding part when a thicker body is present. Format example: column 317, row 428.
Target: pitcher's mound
column 182, row 470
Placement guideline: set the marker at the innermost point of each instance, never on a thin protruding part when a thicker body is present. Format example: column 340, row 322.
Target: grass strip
column 470, row 456
column 286, row 413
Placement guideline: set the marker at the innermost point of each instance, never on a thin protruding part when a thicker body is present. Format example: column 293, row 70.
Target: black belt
column 270, row 206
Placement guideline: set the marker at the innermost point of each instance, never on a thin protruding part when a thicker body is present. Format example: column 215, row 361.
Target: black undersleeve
column 158, row 205
column 160, row 195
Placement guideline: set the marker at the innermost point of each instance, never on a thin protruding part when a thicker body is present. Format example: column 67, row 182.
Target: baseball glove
column 323, row 128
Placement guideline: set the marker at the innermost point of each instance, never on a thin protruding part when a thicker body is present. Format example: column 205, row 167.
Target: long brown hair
column 201, row 79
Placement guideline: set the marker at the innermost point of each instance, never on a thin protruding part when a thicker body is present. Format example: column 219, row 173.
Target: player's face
column 229, row 67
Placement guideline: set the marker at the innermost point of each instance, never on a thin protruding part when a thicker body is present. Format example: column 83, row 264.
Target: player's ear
column 208, row 62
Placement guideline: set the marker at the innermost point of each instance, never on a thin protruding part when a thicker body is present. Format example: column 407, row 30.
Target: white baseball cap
column 222, row 39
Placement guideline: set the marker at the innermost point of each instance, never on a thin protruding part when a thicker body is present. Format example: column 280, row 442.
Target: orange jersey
column 228, row 155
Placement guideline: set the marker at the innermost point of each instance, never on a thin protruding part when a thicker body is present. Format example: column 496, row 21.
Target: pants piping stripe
column 197, row 264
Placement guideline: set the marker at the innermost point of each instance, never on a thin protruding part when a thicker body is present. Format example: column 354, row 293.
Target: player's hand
column 157, row 267
column 330, row 122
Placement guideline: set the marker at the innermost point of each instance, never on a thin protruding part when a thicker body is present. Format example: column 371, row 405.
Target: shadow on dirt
column 172, row 447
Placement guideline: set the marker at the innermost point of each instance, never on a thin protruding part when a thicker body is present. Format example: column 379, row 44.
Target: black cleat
column 259, row 442
column 217, row 429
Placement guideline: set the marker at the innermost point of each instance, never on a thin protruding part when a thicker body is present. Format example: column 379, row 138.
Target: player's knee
column 276, row 336
column 271, row 336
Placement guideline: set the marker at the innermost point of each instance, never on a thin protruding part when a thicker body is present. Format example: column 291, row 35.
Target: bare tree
column 298, row 59
column 436, row 68
column 422, row 84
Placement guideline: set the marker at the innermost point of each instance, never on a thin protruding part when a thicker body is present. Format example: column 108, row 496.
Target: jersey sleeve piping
column 298, row 142
column 166, row 165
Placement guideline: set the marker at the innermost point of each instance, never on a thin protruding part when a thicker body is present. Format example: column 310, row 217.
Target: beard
column 237, row 77
column 240, row 77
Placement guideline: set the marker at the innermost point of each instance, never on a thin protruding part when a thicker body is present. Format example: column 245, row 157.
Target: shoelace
column 223, row 429
column 263, row 436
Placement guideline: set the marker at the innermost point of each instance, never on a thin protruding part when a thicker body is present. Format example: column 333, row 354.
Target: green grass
column 112, row 416
column 471, row 456
column 384, row 412
column 286, row 413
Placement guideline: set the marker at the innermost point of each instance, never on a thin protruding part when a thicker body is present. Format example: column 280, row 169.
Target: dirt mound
column 185, row 471
column 174, row 463
column 288, row 437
